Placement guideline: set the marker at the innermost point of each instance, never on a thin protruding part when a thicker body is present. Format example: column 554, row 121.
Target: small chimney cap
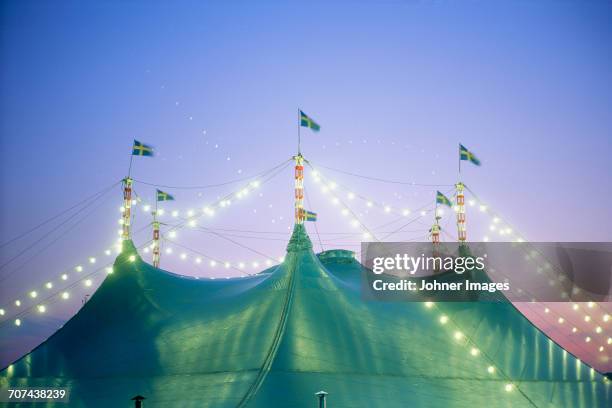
column 138, row 398
column 321, row 393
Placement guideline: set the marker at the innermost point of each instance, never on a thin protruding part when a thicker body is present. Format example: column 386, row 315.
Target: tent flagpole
column 299, row 136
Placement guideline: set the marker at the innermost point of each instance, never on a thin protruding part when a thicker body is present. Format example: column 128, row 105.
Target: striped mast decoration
column 460, row 206
column 464, row 154
column 306, row 121
column 299, row 177
column 138, row 149
column 156, row 252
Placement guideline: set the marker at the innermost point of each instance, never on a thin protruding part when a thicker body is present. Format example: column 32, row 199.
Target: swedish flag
column 161, row 196
column 141, row 149
column 442, row 199
column 310, row 216
column 308, row 122
column 465, row 154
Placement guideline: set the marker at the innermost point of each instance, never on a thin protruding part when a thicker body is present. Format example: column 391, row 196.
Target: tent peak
column 299, row 239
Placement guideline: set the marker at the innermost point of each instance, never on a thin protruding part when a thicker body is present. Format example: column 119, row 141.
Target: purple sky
column 216, row 87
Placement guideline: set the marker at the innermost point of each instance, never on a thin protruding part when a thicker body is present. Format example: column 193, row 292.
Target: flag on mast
column 442, row 199
column 308, row 122
column 141, row 149
column 310, row 216
column 465, row 154
column 162, row 196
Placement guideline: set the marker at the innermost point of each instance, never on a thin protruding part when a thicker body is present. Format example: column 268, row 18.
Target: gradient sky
column 215, row 87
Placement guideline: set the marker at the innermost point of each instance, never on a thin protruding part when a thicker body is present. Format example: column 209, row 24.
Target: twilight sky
column 215, row 87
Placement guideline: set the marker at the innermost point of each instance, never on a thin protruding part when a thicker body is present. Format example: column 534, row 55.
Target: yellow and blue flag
column 161, row 196
column 310, row 216
column 465, row 154
column 141, row 149
column 306, row 121
column 442, row 199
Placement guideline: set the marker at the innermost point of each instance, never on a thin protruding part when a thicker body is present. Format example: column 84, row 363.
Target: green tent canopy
column 275, row 339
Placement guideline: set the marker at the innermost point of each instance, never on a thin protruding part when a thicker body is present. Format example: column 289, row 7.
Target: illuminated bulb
column 344, row 212
column 324, row 189
column 213, row 263
column 491, row 370
column 598, row 329
column 423, row 213
column 591, row 305
column 387, row 209
column 458, row 335
column 192, row 223
column 587, row 339
column 546, row 310
column 183, row 256
column 574, row 330
column 474, row 351
column 88, row 282
column 472, row 203
column 440, row 212
column 509, row 387
column 146, row 250
column 18, row 303
column 429, row 305
column 366, row 235
column 255, row 264
column 33, row 294
column 1, row 312
column 561, row 320
column 606, row 317
column 17, row 322
column 351, row 196
column 587, row 318
column 109, row 270
column 132, row 258
column 175, row 214
column 107, row 252
column 332, row 185
column 172, row 234
column 160, row 211
column 134, row 202
column 369, row 204
column 49, row 285
column 198, row 260
column 609, row 340
column 42, row 308
column 146, row 208
column 121, row 209
column 443, row 319
column 492, row 227
column 227, row 265
column 241, row 265
column 406, row 212
column 65, row 295
column 190, row 213
column 495, row 220
column 120, row 221
column 335, row 201
column 483, row 208
column 601, row 348
column 575, row 306
column 355, row 223
column 281, row 259
column 485, row 239
column 268, row 262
